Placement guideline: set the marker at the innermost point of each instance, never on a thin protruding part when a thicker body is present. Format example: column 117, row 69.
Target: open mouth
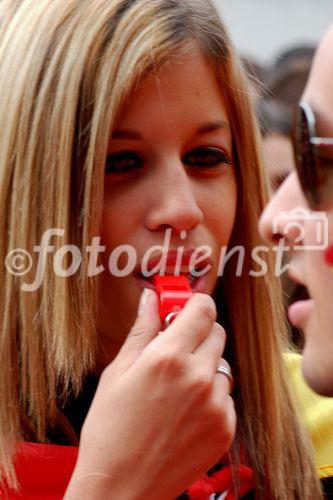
column 192, row 276
column 299, row 292
column 295, row 289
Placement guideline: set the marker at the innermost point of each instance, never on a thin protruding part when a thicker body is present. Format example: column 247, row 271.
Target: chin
column 317, row 367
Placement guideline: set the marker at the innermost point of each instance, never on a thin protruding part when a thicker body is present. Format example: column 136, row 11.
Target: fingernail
column 143, row 301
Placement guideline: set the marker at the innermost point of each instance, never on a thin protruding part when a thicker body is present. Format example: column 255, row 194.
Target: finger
column 145, row 328
column 192, row 325
column 210, row 350
column 228, row 415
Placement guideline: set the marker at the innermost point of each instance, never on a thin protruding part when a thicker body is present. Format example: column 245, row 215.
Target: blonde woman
column 126, row 120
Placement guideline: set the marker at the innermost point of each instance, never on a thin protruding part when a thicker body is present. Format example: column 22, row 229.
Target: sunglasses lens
column 305, row 155
column 314, row 162
column 324, row 161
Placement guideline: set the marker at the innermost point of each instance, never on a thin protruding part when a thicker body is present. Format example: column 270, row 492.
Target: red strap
column 43, row 470
column 223, row 481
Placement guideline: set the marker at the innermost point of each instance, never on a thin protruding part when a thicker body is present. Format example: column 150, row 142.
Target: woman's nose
column 175, row 205
column 279, row 219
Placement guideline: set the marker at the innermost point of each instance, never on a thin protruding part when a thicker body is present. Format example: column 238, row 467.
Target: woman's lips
column 199, row 285
column 299, row 312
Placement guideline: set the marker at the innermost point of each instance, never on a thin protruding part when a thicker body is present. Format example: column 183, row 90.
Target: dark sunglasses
column 314, row 159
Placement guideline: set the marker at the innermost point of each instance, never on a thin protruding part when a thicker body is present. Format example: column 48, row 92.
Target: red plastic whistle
column 173, row 293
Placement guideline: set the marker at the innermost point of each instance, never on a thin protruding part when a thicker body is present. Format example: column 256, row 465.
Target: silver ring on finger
column 170, row 317
column 223, row 370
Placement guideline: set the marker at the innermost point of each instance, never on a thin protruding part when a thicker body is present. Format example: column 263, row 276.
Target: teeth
column 194, row 271
column 189, row 276
column 171, row 270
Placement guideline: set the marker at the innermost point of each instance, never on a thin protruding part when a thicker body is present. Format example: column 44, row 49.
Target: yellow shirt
column 316, row 413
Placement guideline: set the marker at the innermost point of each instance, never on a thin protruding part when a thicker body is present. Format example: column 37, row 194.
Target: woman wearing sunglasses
column 311, row 240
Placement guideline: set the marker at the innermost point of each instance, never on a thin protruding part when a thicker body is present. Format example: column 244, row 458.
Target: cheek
column 119, row 218
column 110, row 236
column 116, row 232
column 319, row 276
column 221, row 205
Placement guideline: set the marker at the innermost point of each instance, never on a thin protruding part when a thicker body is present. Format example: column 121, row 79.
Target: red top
column 43, row 470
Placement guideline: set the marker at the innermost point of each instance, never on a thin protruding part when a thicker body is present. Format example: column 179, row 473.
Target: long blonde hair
column 66, row 69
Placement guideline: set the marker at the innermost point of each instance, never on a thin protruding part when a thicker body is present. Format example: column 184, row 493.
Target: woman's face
column 308, row 266
column 169, row 167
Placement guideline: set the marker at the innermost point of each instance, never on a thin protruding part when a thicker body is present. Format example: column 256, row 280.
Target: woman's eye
column 206, row 158
column 123, row 162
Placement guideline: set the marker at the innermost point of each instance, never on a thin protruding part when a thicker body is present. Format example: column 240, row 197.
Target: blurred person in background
column 284, row 83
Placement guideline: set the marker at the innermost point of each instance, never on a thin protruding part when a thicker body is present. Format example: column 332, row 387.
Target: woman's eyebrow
column 126, row 134
column 203, row 129
column 212, row 127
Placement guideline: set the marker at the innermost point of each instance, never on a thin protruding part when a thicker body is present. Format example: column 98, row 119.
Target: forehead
column 319, row 89
column 182, row 90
